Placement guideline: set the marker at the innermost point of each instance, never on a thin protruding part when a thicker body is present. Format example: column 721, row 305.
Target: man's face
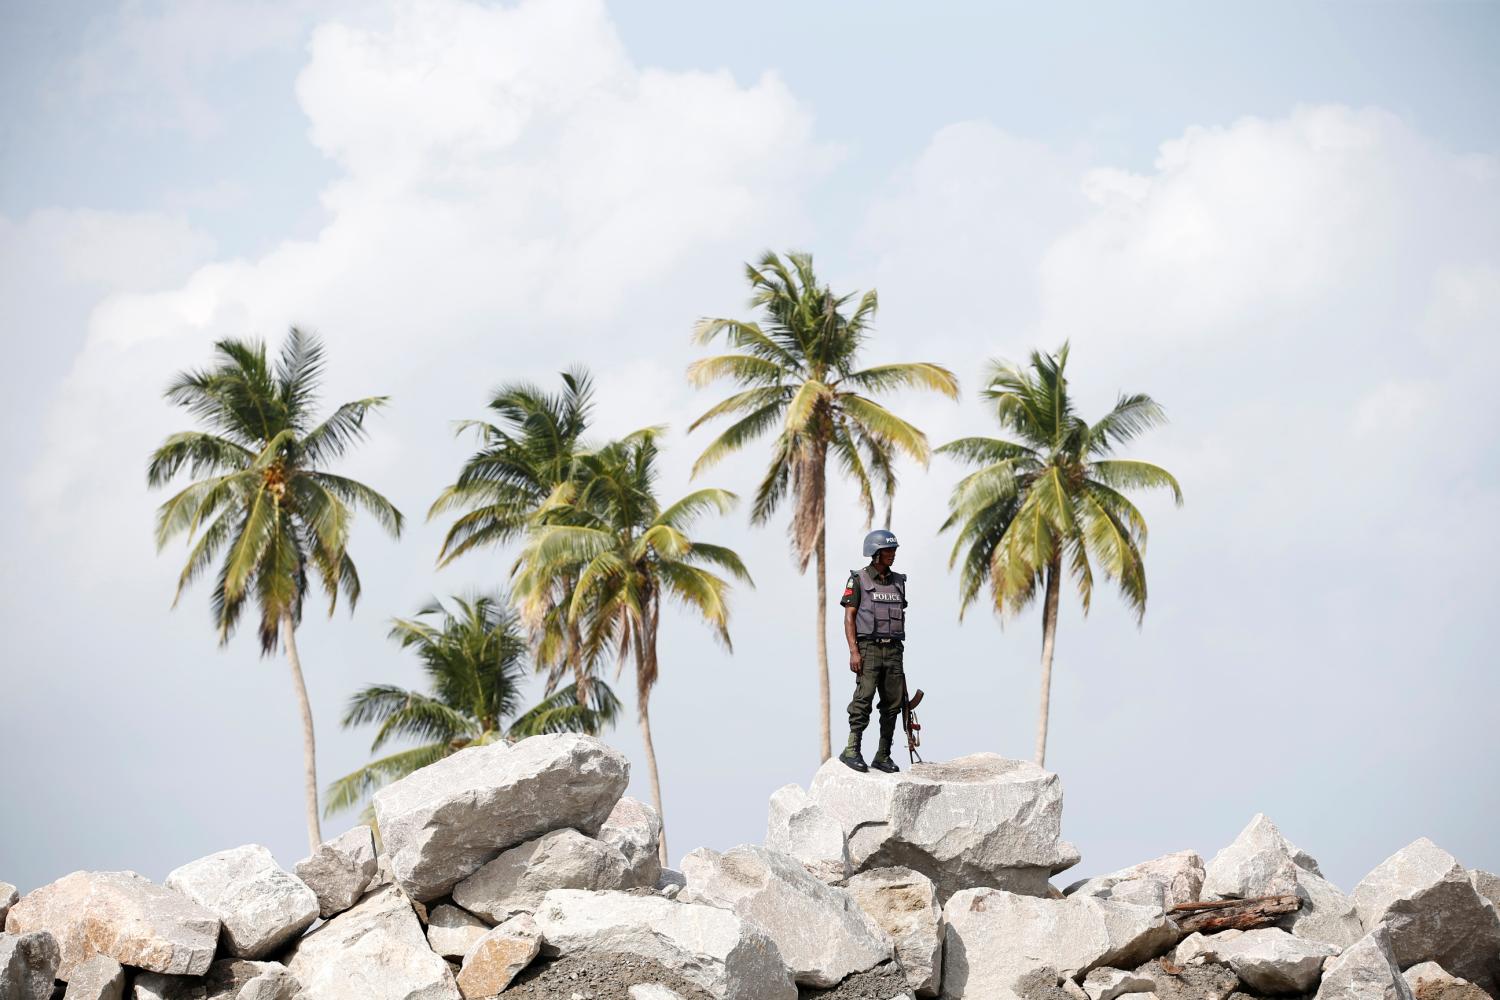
column 884, row 557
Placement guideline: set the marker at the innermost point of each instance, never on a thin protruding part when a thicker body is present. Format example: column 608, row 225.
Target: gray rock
column 1105, row 983
column 1487, row 884
column 1366, row 970
column 799, row 827
column 260, row 905
column 993, row 938
column 340, row 870
column 1261, row 862
column 495, row 960
column 442, row 823
column 1267, row 959
column 8, row 895
column 122, row 915
column 227, row 979
column 905, row 905
column 516, row 881
column 980, row 820
column 821, row 932
column 98, row 977
column 451, row 932
column 1162, row 882
column 713, row 949
column 1434, row 913
column 374, row 951
column 28, row 965
column 634, row 829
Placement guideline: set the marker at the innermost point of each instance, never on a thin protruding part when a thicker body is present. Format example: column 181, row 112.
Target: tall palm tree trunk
column 309, row 746
column 1049, row 638
column 821, row 558
column 643, row 715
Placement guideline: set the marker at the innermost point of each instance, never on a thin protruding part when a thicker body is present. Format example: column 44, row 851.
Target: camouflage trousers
column 880, row 673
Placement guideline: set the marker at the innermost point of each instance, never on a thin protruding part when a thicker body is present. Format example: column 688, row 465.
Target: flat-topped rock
column 122, row 915
column 260, row 906
column 441, row 823
column 980, row 820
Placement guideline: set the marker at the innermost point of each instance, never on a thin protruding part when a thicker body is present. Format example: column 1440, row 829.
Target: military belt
column 878, row 640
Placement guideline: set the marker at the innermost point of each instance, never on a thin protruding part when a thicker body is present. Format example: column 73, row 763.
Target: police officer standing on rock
column 874, row 605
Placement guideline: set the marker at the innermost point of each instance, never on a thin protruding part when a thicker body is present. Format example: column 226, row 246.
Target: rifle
column 909, row 721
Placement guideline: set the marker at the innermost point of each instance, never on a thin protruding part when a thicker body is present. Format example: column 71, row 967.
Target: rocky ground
column 521, row 871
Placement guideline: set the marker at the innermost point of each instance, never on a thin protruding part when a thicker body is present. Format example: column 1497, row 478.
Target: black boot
column 882, row 761
column 851, row 755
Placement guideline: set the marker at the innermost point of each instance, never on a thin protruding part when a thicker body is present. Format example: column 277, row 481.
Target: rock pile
column 520, row 871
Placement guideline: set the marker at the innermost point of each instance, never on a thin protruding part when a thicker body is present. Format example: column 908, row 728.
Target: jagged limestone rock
column 440, row 824
column 494, row 961
column 714, row 949
column 1267, row 959
column 1434, row 913
column 980, row 820
column 516, row 881
column 340, row 870
column 260, row 906
column 123, row 915
column 634, row 829
column 1366, row 970
column 28, row 965
column 1487, row 884
column 98, row 977
column 993, row 938
column 799, row 827
column 374, row 951
column 905, row 905
column 1163, row 882
column 1262, row 862
column 451, row 932
column 822, row 933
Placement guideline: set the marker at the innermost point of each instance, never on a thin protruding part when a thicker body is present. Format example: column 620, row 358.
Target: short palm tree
column 525, row 468
column 627, row 554
column 799, row 369
column 1049, row 497
column 265, row 501
column 475, row 660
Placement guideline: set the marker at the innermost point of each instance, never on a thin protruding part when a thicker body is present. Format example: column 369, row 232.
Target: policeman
column 874, row 605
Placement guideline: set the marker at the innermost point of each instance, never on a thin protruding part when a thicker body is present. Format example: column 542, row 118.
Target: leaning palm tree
column 525, row 468
column 265, row 502
column 627, row 554
column 475, row 660
column 1050, row 495
column 799, row 367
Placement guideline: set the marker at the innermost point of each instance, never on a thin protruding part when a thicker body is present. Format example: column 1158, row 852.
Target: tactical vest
column 882, row 606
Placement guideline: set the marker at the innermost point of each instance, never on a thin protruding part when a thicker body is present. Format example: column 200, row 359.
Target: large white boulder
column 714, row 949
column 995, row 939
column 905, row 905
column 441, row 823
column 1434, row 913
column 516, row 881
column 1163, row 882
column 1262, row 862
column 28, row 965
column 1366, row 970
column 260, row 906
column 980, row 820
column 227, row 979
column 1267, row 959
column 122, row 915
column 497, row 957
column 99, row 977
column 634, row 829
column 821, row 932
column 340, row 870
column 799, row 827
column 373, row 951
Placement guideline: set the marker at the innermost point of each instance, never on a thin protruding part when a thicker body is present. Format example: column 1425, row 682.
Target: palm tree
column 627, row 553
column 799, row 369
column 526, row 467
column 475, row 660
column 1049, row 495
column 265, row 501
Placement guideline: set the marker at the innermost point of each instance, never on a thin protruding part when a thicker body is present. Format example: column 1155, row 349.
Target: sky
column 1281, row 220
